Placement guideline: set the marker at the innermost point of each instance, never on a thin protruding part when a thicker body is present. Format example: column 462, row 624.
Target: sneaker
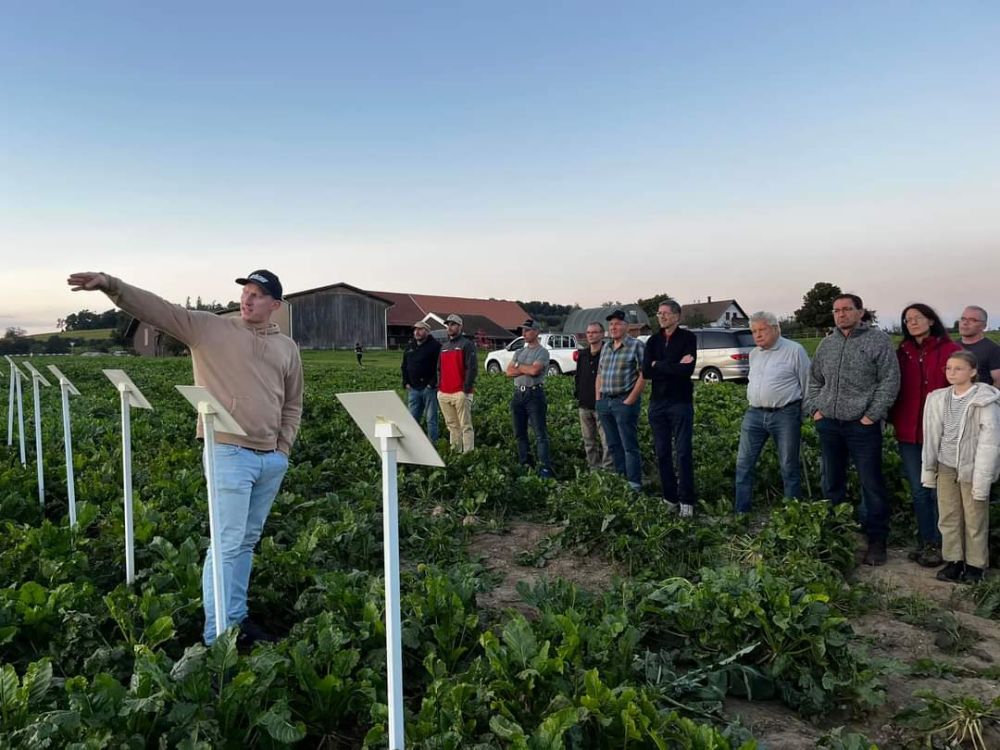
column 875, row 554
column 952, row 572
column 670, row 506
column 686, row 511
column 545, row 473
column 251, row 633
column 972, row 574
column 930, row 556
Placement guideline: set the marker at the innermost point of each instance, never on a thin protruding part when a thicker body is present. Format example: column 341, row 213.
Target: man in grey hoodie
column 852, row 383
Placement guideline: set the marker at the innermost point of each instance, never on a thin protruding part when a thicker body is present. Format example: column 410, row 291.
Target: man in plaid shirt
column 619, row 398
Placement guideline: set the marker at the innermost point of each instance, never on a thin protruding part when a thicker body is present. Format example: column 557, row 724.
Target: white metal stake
column 64, row 386
column 20, row 416
column 387, row 433
column 10, row 407
column 218, row 577
column 38, row 440
column 127, row 483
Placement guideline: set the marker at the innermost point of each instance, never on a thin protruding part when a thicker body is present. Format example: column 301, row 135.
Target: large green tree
column 649, row 305
column 817, row 306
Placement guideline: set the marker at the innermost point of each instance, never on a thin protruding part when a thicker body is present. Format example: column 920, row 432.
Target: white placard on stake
column 10, row 402
column 19, row 377
column 36, row 379
column 213, row 415
column 395, row 434
column 67, row 389
column 130, row 396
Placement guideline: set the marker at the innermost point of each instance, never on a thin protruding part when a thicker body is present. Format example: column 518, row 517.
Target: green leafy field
column 708, row 608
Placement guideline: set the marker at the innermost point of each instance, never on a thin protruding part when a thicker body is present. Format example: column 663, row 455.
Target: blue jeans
column 672, row 426
column 530, row 406
column 246, row 484
column 784, row 426
column 424, row 402
column 621, row 430
column 841, row 440
column 925, row 506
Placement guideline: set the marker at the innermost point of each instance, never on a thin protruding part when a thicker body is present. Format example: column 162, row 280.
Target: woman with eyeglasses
column 922, row 355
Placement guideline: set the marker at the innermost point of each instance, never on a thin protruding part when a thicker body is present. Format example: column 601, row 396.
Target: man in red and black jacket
column 457, row 371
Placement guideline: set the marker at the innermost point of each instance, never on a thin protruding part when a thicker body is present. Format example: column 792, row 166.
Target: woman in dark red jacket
column 922, row 355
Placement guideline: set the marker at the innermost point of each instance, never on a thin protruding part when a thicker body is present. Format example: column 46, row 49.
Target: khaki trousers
column 964, row 522
column 592, row 431
column 456, row 408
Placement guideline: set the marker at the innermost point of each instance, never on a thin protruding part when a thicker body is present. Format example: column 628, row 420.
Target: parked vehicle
column 562, row 353
column 723, row 354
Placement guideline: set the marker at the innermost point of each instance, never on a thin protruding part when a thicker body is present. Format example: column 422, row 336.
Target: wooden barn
column 337, row 316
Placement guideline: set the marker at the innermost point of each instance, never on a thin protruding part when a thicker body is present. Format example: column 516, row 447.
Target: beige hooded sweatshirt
column 254, row 371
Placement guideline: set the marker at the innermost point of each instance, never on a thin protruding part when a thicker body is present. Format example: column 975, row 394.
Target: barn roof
column 340, row 285
column 578, row 319
column 409, row 308
column 709, row 311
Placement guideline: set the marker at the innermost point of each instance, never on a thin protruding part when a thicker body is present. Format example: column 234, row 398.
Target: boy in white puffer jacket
column 961, row 459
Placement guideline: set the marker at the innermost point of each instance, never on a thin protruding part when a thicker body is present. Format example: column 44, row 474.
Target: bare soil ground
column 958, row 656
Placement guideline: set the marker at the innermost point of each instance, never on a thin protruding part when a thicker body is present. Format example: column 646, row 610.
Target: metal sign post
column 10, row 403
column 18, row 376
column 67, row 389
column 36, row 379
column 213, row 415
column 398, row 438
column 130, row 396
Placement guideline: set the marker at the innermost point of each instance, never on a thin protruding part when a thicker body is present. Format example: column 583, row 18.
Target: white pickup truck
column 562, row 353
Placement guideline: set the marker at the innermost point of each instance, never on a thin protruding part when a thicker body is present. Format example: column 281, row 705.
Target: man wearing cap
column 456, row 377
column 528, row 404
column 420, row 364
column 255, row 372
column 618, row 393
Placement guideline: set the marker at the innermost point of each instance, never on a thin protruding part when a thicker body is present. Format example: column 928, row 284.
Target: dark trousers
column 842, row 440
column 530, row 406
column 672, row 426
column 925, row 505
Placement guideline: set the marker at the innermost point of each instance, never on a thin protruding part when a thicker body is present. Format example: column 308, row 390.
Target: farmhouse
column 723, row 313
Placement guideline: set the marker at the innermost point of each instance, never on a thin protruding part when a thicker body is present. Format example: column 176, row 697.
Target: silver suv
column 723, row 354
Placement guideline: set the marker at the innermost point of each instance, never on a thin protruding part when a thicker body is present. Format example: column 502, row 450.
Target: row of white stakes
column 208, row 409
column 383, row 418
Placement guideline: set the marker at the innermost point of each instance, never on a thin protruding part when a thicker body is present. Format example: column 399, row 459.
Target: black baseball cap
column 265, row 280
column 616, row 314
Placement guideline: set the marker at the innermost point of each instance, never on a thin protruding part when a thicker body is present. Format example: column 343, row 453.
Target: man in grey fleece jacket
column 255, row 371
column 853, row 381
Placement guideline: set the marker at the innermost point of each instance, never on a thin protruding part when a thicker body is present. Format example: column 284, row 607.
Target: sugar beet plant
column 702, row 610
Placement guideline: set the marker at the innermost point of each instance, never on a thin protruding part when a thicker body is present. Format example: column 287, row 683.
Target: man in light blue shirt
column 779, row 376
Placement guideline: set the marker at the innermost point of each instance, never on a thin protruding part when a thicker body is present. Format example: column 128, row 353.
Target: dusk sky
column 575, row 152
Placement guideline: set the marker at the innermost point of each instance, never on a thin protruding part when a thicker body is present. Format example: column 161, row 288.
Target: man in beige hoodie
column 255, row 371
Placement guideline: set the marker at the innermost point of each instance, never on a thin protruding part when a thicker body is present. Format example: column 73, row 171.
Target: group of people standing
column 947, row 424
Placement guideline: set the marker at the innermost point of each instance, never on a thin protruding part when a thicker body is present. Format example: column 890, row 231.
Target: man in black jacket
column 586, row 375
column 668, row 363
column 420, row 366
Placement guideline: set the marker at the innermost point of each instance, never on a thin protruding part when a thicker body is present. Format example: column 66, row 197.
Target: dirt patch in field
column 908, row 629
column 502, row 553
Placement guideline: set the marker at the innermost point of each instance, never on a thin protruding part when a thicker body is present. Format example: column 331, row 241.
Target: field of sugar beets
column 695, row 628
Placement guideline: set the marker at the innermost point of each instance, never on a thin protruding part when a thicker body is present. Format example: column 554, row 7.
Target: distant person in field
column 668, row 363
column 922, row 355
column 457, row 370
column 853, row 380
column 255, row 371
column 972, row 327
column 778, row 379
column 618, row 394
column 528, row 404
column 595, row 445
column 961, row 457
column 420, row 373
column 359, row 352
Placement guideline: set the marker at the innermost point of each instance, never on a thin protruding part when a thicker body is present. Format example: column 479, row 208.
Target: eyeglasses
column 915, row 319
column 971, row 320
column 841, row 310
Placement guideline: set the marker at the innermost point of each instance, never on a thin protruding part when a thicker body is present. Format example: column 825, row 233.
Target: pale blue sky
column 576, row 152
